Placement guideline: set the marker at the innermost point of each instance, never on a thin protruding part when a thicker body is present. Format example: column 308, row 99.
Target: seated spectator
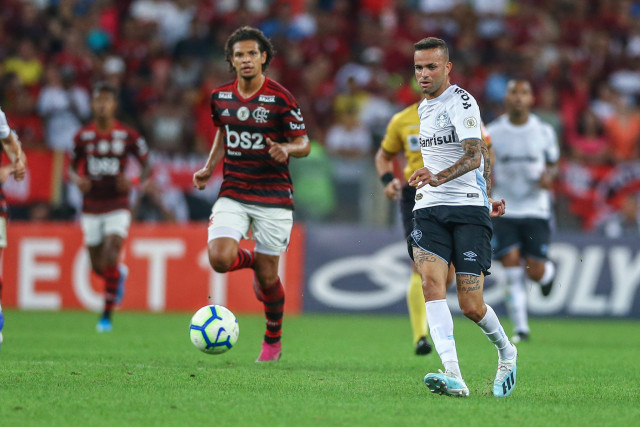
column 589, row 144
column 625, row 222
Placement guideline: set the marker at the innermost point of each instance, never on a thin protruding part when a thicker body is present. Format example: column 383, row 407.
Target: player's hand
column 422, row 177
column 123, row 184
column 498, row 208
column 5, row 173
column 277, row 151
column 19, row 170
column 392, row 189
column 201, row 177
column 546, row 181
column 84, row 185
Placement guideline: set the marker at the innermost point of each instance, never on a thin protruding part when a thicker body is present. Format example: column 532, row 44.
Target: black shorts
column 531, row 235
column 407, row 202
column 458, row 234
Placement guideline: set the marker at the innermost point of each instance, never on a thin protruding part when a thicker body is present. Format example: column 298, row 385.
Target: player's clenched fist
column 420, row 178
column 201, row 177
column 277, row 151
column 392, row 189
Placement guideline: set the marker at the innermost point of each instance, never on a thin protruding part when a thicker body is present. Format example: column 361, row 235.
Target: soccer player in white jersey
column 11, row 145
column 527, row 152
column 452, row 219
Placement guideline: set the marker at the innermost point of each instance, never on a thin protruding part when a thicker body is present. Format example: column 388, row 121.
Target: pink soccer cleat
column 270, row 352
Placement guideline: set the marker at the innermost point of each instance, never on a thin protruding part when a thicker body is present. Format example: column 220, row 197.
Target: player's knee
column 535, row 270
column 219, row 262
column 473, row 310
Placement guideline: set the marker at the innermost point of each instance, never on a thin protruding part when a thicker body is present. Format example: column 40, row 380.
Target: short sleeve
column 5, row 130
column 392, row 142
column 140, row 148
column 466, row 116
column 214, row 112
column 292, row 120
column 552, row 150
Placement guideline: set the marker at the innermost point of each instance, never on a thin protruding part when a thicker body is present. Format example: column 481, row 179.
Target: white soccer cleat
column 505, row 380
column 446, row 383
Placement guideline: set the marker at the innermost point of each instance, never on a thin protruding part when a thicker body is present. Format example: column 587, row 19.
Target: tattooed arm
column 487, row 167
column 469, row 161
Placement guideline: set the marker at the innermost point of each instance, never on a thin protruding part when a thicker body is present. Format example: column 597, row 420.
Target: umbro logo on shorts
column 470, row 256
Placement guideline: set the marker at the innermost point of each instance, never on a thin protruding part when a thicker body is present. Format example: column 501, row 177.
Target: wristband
column 387, row 178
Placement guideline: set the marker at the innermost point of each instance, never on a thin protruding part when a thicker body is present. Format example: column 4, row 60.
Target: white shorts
column 270, row 227
column 96, row 226
column 3, row 232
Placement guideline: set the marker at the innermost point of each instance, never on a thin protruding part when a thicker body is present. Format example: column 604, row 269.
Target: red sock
column 111, row 277
column 245, row 259
column 273, row 300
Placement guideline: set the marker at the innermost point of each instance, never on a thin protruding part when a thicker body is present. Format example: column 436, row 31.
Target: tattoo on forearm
column 420, row 256
column 469, row 284
column 469, row 161
column 487, row 167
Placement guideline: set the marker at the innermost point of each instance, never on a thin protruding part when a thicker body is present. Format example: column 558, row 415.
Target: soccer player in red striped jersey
column 260, row 127
column 98, row 161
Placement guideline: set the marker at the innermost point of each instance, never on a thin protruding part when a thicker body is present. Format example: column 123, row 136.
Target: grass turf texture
column 335, row 370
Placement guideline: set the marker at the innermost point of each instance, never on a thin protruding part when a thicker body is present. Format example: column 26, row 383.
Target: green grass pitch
column 335, row 370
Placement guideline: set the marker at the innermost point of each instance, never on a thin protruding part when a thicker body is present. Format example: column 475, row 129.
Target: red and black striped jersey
column 250, row 175
column 101, row 157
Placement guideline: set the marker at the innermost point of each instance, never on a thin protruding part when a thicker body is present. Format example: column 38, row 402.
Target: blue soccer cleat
column 124, row 272
column 505, row 380
column 104, row 325
column 1, row 326
column 446, row 383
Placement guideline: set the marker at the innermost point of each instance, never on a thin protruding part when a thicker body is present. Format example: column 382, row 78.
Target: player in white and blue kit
column 11, row 145
column 452, row 219
column 527, row 153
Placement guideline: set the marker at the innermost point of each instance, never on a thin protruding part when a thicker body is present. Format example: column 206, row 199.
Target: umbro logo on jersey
column 267, row 98
column 225, row 95
column 225, row 112
column 470, row 256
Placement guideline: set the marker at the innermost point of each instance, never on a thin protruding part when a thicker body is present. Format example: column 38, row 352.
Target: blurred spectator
column 159, row 200
column 349, row 145
column 625, row 222
column 623, row 130
column 25, row 63
column 589, row 145
column 64, row 106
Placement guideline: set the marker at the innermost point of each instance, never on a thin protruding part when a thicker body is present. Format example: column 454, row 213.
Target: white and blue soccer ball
column 214, row 329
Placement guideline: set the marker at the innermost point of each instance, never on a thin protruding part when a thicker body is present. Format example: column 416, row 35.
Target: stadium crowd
column 349, row 64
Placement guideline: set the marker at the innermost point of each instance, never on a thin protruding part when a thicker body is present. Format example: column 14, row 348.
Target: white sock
column 441, row 328
column 549, row 272
column 492, row 328
column 517, row 301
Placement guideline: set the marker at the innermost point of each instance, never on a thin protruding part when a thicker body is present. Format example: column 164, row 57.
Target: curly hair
column 248, row 33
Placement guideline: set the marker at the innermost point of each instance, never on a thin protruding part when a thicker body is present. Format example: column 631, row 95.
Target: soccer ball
column 214, row 329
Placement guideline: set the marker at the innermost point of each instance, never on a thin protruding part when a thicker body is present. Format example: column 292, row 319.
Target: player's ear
column 264, row 57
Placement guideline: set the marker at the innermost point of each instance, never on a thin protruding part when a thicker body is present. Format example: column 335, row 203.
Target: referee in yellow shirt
column 402, row 135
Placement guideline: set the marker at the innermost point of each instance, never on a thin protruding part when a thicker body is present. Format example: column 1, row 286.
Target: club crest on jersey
column 103, row 146
column 442, row 120
column 267, row 98
column 225, row 95
column 117, row 146
column 243, row 113
column 470, row 122
column 260, row 115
